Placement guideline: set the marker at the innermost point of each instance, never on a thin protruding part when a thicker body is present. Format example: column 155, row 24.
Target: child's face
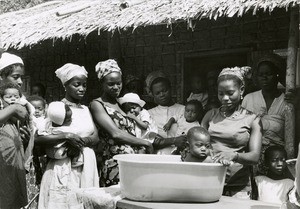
column 135, row 109
column 161, row 94
column 196, row 84
column 68, row 117
column 199, row 145
column 11, row 95
column 39, row 108
column 277, row 164
column 36, row 91
column 191, row 113
column 15, row 77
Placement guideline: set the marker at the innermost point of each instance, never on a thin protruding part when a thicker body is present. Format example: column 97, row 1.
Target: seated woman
column 60, row 178
column 268, row 102
column 160, row 88
column 235, row 133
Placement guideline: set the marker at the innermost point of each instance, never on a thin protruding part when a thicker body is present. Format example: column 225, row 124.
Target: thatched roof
column 62, row 19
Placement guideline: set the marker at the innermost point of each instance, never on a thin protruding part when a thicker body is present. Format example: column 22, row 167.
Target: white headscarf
column 68, row 71
column 8, row 59
column 106, row 67
column 240, row 72
column 56, row 112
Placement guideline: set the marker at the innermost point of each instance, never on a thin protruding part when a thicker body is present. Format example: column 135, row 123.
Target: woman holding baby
column 235, row 132
column 61, row 177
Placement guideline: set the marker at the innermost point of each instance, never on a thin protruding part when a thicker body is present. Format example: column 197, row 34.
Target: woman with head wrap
column 60, row 178
column 235, row 133
column 13, row 192
column 116, row 130
column 268, row 102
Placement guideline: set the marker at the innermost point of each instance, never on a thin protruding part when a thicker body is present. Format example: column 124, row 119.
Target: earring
column 242, row 97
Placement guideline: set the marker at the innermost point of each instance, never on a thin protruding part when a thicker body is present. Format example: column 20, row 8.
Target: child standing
column 193, row 113
column 133, row 106
column 275, row 186
column 199, row 147
column 59, row 119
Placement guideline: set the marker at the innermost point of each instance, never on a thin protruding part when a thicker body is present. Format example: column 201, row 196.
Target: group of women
column 104, row 130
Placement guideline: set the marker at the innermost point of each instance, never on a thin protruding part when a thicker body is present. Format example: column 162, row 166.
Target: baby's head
column 10, row 93
column 275, row 161
column 193, row 111
column 59, row 114
column 199, row 142
column 39, row 104
column 132, row 103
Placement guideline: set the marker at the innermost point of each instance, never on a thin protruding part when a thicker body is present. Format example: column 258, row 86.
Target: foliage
column 14, row 5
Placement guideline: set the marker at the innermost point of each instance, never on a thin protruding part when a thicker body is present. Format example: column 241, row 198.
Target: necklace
column 72, row 104
column 235, row 113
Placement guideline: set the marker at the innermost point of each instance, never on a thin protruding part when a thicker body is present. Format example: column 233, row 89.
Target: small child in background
column 193, row 113
column 198, row 90
column 275, row 186
column 59, row 117
column 133, row 106
column 199, row 147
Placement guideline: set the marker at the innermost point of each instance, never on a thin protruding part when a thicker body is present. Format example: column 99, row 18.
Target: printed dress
column 108, row 166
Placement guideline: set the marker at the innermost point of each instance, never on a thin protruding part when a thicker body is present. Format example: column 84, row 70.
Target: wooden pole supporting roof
column 290, row 112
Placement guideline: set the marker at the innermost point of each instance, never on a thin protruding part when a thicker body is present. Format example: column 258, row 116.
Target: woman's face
column 267, row 77
column 229, row 94
column 15, row 77
column 76, row 88
column 112, row 84
column 161, row 94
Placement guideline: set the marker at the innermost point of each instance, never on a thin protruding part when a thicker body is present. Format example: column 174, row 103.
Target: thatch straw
column 30, row 26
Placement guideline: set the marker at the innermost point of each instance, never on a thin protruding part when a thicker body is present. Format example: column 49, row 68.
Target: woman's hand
column 167, row 126
column 180, row 141
column 74, row 140
column 20, row 112
column 149, row 147
column 226, row 158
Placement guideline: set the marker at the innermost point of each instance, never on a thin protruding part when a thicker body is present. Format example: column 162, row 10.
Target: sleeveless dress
column 108, row 166
column 232, row 134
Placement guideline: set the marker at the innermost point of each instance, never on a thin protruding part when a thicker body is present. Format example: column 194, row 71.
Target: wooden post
column 291, row 81
column 114, row 47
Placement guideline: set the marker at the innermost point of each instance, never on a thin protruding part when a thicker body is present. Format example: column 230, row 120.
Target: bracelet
column 236, row 157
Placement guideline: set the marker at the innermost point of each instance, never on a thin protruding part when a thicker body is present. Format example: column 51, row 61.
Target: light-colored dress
column 272, row 122
column 272, row 119
column 232, row 134
column 145, row 117
column 60, row 179
column 273, row 191
column 184, row 126
column 108, row 166
column 161, row 115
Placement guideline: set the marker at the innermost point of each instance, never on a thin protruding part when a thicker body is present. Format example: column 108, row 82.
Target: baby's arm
column 168, row 125
column 142, row 124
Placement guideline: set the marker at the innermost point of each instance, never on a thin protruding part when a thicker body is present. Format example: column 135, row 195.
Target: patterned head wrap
column 151, row 77
column 239, row 72
column 8, row 59
column 68, row 71
column 56, row 112
column 106, row 67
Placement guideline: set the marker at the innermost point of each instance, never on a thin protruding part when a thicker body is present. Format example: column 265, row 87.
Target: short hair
column 41, row 87
column 196, row 103
column 197, row 129
column 231, row 77
column 160, row 80
column 5, row 86
column 5, row 72
column 36, row 98
column 271, row 149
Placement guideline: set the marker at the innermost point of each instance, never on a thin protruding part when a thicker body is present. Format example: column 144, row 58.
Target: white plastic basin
column 166, row 178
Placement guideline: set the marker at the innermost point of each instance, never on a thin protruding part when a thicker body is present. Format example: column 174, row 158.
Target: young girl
column 133, row 106
column 274, row 187
column 199, row 147
column 193, row 113
column 59, row 119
